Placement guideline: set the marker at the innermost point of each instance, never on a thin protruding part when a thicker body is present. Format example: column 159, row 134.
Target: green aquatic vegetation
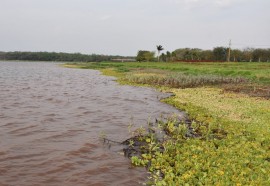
column 249, row 78
column 233, row 147
column 230, row 144
column 180, row 80
column 230, row 160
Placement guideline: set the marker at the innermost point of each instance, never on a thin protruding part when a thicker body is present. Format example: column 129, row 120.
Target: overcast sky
column 125, row 26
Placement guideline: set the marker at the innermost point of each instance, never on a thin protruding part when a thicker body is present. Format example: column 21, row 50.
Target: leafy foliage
column 144, row 55
column 160, row 48
column 232, row 145
column 220, row 53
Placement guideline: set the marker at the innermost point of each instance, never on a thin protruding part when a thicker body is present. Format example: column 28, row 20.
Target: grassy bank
column 248, row 78
column 230, row 109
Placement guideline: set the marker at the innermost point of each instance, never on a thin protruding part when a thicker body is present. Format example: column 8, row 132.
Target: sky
column 122, row 27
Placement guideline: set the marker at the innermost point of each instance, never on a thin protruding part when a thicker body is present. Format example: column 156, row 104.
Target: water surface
column 51, row 119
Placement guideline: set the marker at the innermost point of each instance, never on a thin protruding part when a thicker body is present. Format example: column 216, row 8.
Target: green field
column 254, row 71
column 229, row 106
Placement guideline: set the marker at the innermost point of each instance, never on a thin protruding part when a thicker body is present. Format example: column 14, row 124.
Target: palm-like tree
column 159, row 48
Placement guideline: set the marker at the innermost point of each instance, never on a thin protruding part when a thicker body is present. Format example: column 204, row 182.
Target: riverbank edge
column 205, row 119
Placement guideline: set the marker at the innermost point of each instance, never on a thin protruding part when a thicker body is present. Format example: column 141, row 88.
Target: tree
column 236, row 55
column 140, row 55
column 207, row 55
column 163, row 57
column 195, row 53
column 248, row 54
column 260, row 55
column 149, row 56
column 53, row 56
column 173, row 55
column 159, row 49
column 219, row 53
column 168, row 56
column 268, row 55
column 144, row 55
column 182, row 53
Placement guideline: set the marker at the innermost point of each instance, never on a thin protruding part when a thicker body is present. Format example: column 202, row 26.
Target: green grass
column 249, row 78
column 230, row 109
column 180, row 80
column 258, row 72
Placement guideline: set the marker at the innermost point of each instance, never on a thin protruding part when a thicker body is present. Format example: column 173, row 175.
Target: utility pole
column 229, row 51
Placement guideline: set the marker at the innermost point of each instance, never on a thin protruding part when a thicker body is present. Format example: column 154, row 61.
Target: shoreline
column 227, row 128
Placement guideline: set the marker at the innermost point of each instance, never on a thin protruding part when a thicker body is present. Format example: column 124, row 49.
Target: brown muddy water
column 51, row 119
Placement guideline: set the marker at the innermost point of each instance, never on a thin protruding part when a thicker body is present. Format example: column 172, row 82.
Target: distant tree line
column 53, row 56
column 217, row 54
column 182, row 54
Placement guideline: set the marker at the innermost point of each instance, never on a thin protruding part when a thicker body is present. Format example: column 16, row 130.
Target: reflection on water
column 51, row 118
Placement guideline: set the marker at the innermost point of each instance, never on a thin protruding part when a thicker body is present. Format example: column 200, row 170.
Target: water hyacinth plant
column 228, row 140
column 181, row 80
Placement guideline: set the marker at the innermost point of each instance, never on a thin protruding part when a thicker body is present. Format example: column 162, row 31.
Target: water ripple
column 51, row 119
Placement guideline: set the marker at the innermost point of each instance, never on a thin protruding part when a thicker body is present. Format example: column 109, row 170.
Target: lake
column 52, row 119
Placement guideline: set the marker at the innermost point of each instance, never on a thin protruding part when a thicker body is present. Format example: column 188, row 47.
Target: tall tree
column 173, row 55
column 236, row 55
column 168, row 54
column 196, row 54
column 149, row 56
column 159, row 49
column 248, row 54
column 163, row 57
column 219, row 53
column 260, row 54
column 207, row 55
column 144, row 55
